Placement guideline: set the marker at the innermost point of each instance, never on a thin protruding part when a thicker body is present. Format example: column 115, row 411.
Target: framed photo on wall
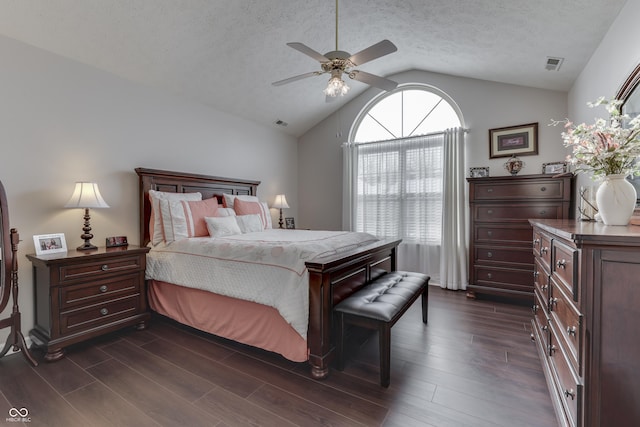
column 46, row 244
column 520, row 140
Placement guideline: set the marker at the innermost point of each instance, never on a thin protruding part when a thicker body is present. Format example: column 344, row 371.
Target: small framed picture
column 520, row 140
column 289, row 223
column 481, row 172
column 116, row 241
column 46, row 244
column 554, row 168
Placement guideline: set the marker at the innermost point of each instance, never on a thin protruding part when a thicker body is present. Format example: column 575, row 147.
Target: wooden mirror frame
column 628, row 90
column 9, row 283
column 5, row 251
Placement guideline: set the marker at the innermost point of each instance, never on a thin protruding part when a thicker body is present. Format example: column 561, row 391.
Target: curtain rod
column 345, row 144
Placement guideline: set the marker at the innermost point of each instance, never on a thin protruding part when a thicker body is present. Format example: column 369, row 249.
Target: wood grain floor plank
column 163, row 406
column 180, row 381
column 103, row 407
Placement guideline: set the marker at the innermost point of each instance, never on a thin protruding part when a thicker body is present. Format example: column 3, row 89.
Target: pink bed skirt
column 243, row 321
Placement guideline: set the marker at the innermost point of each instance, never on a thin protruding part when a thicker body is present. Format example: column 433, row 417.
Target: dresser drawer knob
column 571, row 330
column 489, row 190
column 489, row 275
column 543, row 212
column 536, row 242
column 543, row 188
column 489, row 233
column 570, row 393
column 104, row 311
column 545, row 328
column 552, row 302
column 103, row 288
column 534, row 308
column 536, row 274
column 544, row 250
column 562, row 264
column 104, row 267
column 489, row 255
column 552, row 349
column 545, row 287
column 490, row 211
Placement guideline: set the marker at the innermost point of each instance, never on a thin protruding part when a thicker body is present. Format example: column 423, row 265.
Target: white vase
column 616, row 199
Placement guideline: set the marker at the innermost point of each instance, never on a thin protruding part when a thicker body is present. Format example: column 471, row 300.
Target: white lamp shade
column 280, row 202
column 86, row 195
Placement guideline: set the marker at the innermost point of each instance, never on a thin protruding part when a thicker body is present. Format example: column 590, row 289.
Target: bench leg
column 340, row 341
column 425, row 304
column 385, row 353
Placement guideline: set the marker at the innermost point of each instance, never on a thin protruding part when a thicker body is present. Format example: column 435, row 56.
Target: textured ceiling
column 226, row 53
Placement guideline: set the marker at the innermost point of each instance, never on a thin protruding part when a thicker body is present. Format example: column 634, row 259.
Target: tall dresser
column 500, row 258
column 585, row 323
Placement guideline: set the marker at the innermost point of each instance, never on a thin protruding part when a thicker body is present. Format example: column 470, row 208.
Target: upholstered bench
column 378, row 306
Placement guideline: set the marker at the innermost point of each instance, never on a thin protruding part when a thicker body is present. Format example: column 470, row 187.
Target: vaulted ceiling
column 226, row 53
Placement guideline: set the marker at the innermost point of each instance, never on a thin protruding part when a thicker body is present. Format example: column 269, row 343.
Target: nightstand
column 84, row 294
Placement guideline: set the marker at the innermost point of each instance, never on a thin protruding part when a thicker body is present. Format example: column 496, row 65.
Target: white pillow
column 249, row 223
column 225, row 212
column 222, row 226
column 229, row 199
column 155, row 221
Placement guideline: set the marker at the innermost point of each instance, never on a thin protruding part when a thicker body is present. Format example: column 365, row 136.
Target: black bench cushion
column 383, row 298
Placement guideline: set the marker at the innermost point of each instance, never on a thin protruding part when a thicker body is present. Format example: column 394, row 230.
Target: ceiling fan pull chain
column 336, row 24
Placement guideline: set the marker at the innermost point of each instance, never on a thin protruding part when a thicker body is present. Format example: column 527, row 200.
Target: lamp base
column 86, row 247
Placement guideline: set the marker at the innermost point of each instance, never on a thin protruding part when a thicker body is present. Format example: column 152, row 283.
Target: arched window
column 408, row 111
column 396, row 171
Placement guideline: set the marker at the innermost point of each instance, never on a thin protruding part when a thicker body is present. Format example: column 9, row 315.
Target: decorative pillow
column 243, row 207
column 225, row 212
column 155, row 221
column 249, row 223
column 222, row 226
column 182, row 219
column 228, row 200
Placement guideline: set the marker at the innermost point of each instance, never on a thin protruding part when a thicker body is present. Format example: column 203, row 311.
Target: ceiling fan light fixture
column 336, row 85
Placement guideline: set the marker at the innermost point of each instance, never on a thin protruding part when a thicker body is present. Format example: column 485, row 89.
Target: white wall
column 61, row 122
column 609, row 66
column 484, row 105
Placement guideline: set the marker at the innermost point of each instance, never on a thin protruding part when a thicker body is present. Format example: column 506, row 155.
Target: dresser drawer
column 568, row 385
column 541, row 279
column 504, row 255
column 99, row 314
column 501, row 233
column 509, row 277
column 564, row 264
column 542, row 189
column 567, row 321
column 517, row 212
column 544, row 251
column 94, row 270
column 100, row 290
column 541, row 318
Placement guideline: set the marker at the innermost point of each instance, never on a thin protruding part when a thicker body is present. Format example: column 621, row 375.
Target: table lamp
column 86, row 195
column 280, row 203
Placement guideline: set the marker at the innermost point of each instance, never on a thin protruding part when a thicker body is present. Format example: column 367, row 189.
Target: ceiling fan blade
column 308, row 51
column 375, row 51
column 296, row 78
column 373, row 80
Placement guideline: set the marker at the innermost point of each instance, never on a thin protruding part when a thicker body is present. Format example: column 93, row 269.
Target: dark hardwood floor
column 472, row 365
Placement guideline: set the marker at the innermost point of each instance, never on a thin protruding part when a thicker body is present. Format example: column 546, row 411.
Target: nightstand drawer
column 97, row 291
column 91, row 270
column 99, row 314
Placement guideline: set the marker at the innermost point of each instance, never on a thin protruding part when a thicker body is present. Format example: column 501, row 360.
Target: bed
column 331, row 277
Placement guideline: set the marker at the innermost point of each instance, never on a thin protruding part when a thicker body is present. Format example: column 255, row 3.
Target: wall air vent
column 281, row 123
column 553, row 63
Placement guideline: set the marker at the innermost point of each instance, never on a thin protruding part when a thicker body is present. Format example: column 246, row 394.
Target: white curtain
column 413, row 189
column 453, row 260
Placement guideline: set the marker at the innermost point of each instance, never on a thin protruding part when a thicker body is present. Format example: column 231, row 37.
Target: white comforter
column 266, row 267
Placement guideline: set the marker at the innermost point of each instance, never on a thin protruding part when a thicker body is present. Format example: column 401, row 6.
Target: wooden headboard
column 179, row 182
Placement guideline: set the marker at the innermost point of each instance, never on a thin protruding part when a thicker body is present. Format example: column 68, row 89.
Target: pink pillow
column 243, row 207
column 198, row 211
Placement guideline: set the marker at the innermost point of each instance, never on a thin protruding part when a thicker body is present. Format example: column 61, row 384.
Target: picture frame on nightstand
column 46, row 244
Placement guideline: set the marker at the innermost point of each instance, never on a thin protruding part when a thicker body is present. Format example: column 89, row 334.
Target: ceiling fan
column 338, row 62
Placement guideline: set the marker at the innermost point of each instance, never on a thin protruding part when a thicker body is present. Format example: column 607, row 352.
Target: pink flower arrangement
column 604, row 148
